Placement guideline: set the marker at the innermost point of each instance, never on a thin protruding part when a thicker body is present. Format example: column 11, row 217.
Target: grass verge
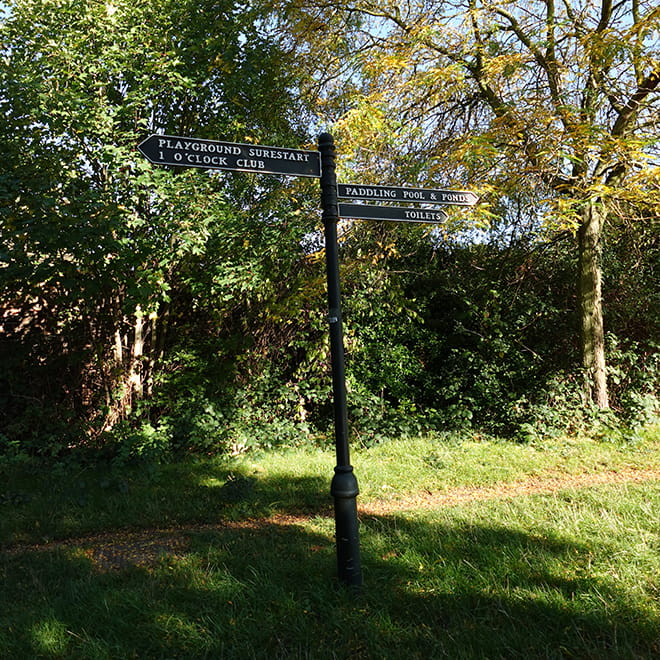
column 572, row 573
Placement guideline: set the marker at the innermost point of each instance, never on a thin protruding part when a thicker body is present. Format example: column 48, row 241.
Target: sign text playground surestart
column 211, row 154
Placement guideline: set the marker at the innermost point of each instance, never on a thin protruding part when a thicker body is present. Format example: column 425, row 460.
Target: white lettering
column 264, row 152
column 204, row 159
column 424, row 215
column 456, row 197
column 200, row 147
column 382, row 193
column 251, row 164
column 412, row 194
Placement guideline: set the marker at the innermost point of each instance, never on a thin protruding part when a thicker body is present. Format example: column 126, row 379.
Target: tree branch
column 628, row 113
column 547, row 61
column 605, row 15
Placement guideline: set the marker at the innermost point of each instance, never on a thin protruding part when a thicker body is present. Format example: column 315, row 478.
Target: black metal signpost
column 211, row 154
column 344, row 486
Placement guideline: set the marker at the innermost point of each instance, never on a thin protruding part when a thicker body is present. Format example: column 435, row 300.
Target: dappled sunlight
column 50, row 637
column 211, row 482
column 237, row 558
column 450, row 583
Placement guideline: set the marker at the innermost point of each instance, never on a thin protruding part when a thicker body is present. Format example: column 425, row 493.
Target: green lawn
column 569, row 574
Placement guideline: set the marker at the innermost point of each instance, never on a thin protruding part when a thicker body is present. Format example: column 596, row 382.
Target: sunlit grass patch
column 242, row 558
column 49, row 637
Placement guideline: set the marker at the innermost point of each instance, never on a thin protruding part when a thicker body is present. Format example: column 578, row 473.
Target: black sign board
column 395, row 194
column 210, row 154
column 396, row 213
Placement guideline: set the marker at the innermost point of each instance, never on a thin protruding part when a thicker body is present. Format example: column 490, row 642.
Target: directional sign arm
column 211, row 154
column 395, row 213
column 397, row 194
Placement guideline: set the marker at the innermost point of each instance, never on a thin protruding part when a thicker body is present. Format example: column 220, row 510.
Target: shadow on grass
column 90, row 501
column 263, row 589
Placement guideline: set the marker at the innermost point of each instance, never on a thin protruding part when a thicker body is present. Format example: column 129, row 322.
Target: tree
column 559, row 98
column 98, row 246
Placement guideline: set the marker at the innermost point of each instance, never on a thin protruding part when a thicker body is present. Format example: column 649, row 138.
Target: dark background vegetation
column 149, row 312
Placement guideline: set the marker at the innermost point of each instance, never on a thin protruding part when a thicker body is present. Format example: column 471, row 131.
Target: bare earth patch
column 144, row 548
column 121, row 549
column 529, row 486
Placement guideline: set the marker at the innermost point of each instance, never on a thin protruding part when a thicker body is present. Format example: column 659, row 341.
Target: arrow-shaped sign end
column 146, row 149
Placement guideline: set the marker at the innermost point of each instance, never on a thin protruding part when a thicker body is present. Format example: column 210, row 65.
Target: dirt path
column 530, row 486
column 120, row 549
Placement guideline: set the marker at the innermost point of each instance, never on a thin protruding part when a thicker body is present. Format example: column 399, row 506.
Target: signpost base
column 344, row 489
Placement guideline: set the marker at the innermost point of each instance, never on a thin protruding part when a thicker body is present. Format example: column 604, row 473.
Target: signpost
column 396, row 213
column 344, row 487
column 211, row 154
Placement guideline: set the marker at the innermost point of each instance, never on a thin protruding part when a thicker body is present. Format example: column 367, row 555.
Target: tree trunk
column 136, row 377
column 591, row 308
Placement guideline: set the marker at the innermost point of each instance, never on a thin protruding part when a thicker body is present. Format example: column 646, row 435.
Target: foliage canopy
column 555, row 101
column 153, row 309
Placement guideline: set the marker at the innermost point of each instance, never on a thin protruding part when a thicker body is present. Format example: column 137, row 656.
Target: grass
column 569, row 574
